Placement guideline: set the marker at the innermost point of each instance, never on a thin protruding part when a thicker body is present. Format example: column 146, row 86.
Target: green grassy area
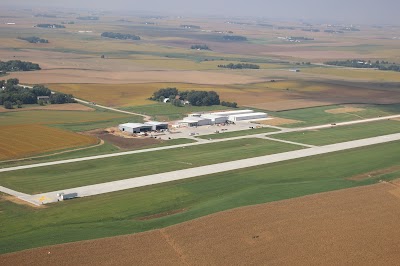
column 343, row 133
column 318, row 115
column 62, row 117
column 162, row 112
column 106, row 148
column 56, row 177
column 117, row 213
column 228, row 134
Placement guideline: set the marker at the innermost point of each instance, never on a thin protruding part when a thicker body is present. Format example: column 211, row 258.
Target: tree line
column 34, row 39
column 356, row 63
column 235, row 38
column 195, row 98
column 17, row 65
column 240, row 66
column 200, row 47
column 88, row 18
column 11, row 93
column 120, row 36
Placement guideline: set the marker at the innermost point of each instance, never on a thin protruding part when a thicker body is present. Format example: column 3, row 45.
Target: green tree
column 8, row 105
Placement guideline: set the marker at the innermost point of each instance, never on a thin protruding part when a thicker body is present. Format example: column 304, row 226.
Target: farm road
column 148, row 180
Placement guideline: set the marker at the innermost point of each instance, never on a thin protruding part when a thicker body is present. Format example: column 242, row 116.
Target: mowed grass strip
column 24, row 140
column 338, row 134
column 71, row 175
column 120, row 212
column 231, row 134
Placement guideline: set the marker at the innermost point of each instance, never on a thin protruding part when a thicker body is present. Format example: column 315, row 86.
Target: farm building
column 135, row 127
column 250, row 116
column 216, row 119
column 157, row 125
column 43, row 98
column 236, row 112
column 195, row 121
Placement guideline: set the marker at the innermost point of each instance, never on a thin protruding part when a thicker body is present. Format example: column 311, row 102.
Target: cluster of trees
column 12, row 94
column 196, row 98
column 311, row 30
column 234, row 38
column 229, row 104
column 34, row 39
column 45, row 16
column 200, row 47
column 53, row 26
column 333, row 31
column 240, row 66
column 381, row 65
column 120, row 36
column 88, row 18
column 17, row 65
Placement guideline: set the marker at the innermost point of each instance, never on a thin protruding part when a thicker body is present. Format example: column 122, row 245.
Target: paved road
column 148, row 180
column 96, row 157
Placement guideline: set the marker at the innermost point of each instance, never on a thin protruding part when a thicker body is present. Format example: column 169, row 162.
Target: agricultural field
column 24, row 140
column 331, row 218
column 342, row 133
column 130, row 211
column 51, row 178
column 358, row 74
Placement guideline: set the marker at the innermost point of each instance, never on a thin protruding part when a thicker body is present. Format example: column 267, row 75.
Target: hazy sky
column 352, row 11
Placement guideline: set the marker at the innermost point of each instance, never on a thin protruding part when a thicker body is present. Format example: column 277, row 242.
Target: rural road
column 145, row 117
column 29, row 166
column 148, row 180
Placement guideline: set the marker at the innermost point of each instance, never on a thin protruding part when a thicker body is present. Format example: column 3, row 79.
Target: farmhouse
column 43, row 98
column 135, row 127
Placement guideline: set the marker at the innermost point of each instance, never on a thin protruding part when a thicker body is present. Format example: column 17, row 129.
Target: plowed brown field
column 24, row 140
column 357, row 226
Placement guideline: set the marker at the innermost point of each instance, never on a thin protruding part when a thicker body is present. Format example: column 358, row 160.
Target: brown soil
column 344, row 110
column 123, row 141
column 357, row 226
column 19, row 201
column 375, row 173
column 52, row 107
column 162, row 214
column 276, row 121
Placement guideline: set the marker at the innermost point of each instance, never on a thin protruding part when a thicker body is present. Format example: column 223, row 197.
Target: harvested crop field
column 357, row 226
column 52, row 107
column 277, row 121
column 23, row 140
column 344, row 110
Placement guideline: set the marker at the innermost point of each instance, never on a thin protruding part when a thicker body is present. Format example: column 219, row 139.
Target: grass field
column 224, row 135
column 59, row 117
column 110, row 169
column 118, row 213
column 23, row 140
column 318, row 115
column 343, row 133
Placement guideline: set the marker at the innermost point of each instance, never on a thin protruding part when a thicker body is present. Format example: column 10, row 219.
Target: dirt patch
column 123, row 141
column 357, row 226
column 19, row 201
column 375, row 173
column 344, row 110
column 52, row 107
column 276, row 121
column 162, row 214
